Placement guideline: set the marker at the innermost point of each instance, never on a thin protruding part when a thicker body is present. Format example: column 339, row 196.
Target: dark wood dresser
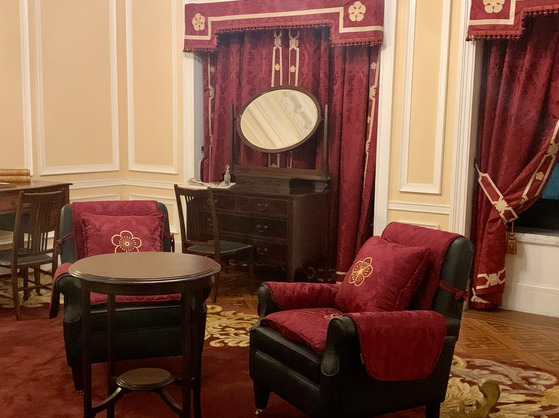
column 288, row 230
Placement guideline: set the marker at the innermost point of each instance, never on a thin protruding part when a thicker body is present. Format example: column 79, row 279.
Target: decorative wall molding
column 97, row 198
column 174, row 47
column 386, row 92
column 435, row 186
column 193, row 121
column 464, row 140
column 425, row 225
column 92, row 184
column 414, row 207
column 26, row 85
column 114, row 164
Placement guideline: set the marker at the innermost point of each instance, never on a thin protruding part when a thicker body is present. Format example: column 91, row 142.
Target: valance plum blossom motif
column 351, row 22
column 505, row 18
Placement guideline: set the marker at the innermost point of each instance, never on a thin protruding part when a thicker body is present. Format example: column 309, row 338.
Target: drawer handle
column 261, row 251
column 261, row 228
column 209, row 221
column 262, row 207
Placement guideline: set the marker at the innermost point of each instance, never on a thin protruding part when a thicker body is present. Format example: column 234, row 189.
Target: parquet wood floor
column 501, row 335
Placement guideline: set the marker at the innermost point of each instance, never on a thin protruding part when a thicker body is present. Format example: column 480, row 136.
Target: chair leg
column 433, row 410
column 77, row 377
column 261, row 397
column 15, row 295
column 216, row 285
column 25, row 277
column 37, row 276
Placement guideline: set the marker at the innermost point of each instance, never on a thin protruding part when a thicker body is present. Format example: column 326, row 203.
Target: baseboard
column 531, row 299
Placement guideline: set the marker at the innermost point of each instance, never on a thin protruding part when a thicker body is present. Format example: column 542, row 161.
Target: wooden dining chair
column 33, row 245
column 200, row 232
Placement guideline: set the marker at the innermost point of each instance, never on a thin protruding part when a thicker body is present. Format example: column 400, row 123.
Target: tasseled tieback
column 511, row 241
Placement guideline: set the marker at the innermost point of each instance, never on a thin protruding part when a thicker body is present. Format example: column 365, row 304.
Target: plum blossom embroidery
column 198, row 22
column 493, row 6
column 357, row 11
column 126, row 242
column 361, row 270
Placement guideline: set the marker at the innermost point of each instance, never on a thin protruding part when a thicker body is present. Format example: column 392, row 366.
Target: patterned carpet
column 524, row 392
column 34, row 300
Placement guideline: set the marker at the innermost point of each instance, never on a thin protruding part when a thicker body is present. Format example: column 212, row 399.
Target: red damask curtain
column 517, row 142
column 346, row 78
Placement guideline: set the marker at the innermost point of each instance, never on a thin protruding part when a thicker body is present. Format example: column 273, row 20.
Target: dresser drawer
column 224, row 202
column 255, row 227
column 269, row 252
column 263, row 206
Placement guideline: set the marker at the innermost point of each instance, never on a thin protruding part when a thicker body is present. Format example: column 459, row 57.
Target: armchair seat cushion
column 303, row 326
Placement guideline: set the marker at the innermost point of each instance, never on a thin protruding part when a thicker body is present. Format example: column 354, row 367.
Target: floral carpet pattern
column 228, row 328
column 524, row 391
column 34, row 300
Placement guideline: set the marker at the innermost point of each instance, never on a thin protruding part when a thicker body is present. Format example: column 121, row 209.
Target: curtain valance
column 505, row 18
column 351, row 22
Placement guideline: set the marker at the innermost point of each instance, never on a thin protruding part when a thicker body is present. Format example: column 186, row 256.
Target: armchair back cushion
column 110, row 208
column 384, row 277
column 105, row 234
column 438, row 242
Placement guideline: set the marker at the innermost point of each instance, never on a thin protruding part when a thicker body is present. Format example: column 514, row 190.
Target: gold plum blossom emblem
column 361, row 270
column 357, row 11
column 493, row 6
column 126, row 242
column 501, row 205
column 198, row 22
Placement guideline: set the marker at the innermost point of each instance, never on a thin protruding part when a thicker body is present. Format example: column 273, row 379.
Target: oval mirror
column 279, row 119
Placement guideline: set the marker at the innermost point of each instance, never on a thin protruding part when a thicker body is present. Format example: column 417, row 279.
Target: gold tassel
column 511, row 242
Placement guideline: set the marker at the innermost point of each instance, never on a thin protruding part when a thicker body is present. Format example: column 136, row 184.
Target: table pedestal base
column 142, row 379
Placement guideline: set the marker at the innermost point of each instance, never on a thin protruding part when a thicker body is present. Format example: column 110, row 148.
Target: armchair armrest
column 68, row 286
column 394, row 346
column 278, row 296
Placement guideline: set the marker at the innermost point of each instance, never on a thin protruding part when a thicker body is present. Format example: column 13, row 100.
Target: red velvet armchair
column 382, row 341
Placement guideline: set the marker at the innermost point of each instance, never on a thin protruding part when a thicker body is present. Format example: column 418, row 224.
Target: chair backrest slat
column 198, row 219
column 37, row 223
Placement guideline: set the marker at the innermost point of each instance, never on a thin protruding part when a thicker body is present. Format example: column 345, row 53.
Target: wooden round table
column 144, row 273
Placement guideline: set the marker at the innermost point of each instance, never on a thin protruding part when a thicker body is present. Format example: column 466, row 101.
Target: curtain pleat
column 517, row 144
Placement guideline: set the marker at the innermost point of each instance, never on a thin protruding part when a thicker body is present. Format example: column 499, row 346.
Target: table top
column 30, row 186
column 143, row 268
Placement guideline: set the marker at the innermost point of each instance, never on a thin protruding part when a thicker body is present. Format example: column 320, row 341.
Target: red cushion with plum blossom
column 384, row 277
column 305, row 326
column 131, row 233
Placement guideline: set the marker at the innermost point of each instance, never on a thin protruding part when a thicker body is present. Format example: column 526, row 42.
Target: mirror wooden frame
column 279, row 119
column 281, row 179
